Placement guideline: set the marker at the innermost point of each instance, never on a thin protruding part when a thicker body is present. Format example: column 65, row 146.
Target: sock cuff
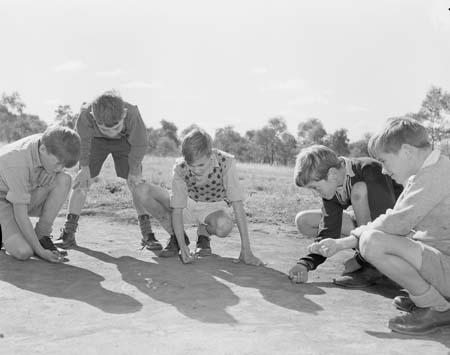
column 431, row 298
column 43, row 228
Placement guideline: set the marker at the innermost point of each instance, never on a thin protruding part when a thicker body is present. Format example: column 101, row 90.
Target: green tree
column 338, row 141
column 433, row 114
column 359, row 148
column 64, row 116
column 310, row 132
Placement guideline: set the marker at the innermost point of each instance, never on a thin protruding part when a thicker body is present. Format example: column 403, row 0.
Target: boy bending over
column 410, row 243
column 106, row 126
column 341, row 182
column 32, row 183
column 204, row 184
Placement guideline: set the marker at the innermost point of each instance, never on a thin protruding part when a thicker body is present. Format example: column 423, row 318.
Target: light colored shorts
column 435, row 269
column 196, row 212
column 7, row 220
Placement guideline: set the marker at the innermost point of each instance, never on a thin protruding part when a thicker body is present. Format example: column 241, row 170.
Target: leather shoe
column 361, row 278
column 404, row 303
column 420, row 321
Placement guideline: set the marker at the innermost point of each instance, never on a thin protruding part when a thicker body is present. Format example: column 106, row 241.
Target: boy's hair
column 196, row 143
column 64, row 143
column 108, row 109
column 398, row 131
column 313, row 163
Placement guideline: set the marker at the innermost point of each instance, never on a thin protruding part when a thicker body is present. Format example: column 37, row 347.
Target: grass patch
column 271, row 196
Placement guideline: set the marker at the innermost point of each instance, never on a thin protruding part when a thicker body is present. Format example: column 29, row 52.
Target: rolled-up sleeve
column 138, row 141
column 179, row 193
column 85, row 129
column 231, row 183
column 17, row 181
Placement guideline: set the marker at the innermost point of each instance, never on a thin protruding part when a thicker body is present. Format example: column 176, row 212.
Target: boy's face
column 325, row 188
column 397, row 165
column 49, row 161
column 201, row 165
column 113, row 131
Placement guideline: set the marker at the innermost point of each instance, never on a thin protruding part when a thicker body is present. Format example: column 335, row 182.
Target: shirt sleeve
column 419, row 197
column 85, row 129
column 18, row 183
column 231, row 183
column 380, row 191
column 138, row 141
column 179, row 193
column 330, row 227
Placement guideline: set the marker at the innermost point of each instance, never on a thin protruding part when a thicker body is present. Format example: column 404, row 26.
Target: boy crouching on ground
column 410, row 243
column 32, row 183
column 106, row 126
column 204, row 183
column 341, row 182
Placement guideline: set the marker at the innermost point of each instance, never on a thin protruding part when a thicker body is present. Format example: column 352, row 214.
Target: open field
column 110, row 297
column 271, row 195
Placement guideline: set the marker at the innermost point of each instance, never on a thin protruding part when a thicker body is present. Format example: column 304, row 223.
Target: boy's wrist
column 306, row 264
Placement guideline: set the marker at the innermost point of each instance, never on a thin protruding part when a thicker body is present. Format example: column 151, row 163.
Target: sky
column 349, row 63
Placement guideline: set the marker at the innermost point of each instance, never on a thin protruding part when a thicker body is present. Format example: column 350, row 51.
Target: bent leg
column 156, row 201
column 399, row 258
column 308, row 222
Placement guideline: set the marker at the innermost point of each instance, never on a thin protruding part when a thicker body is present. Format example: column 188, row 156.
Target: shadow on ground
column 64, row 281
column 196, row 290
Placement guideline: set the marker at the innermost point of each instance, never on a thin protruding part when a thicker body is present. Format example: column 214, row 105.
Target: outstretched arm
column 246, row 254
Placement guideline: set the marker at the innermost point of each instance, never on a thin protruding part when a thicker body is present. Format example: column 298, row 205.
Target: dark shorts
column 102, row 147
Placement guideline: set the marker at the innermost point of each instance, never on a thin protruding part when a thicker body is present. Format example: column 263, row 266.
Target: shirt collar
column 348, row 167
column 432, row 158
column 35, row 156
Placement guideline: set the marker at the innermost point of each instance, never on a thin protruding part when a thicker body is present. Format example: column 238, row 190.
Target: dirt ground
column 113, row 298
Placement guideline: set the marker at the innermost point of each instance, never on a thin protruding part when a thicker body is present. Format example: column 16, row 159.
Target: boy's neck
column 421, row 156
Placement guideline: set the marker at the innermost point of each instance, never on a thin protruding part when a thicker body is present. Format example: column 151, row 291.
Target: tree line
column 271, row 144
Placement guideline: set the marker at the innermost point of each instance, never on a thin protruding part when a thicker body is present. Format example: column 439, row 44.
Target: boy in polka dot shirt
column 204, row 185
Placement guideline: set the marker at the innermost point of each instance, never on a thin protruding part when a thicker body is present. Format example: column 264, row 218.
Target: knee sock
column 71, row 223
column 144, row 224
column 431, row 298
column 43, row 229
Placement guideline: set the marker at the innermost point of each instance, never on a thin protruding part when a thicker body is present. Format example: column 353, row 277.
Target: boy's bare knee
column 371, row 244
column 21, row 253
column 63, row 179
column 223, row 226
column 359, row 191
column 304, row 223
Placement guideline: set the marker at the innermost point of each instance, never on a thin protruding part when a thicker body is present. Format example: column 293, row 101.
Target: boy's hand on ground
column 52, row 256
column 45, row 178
column 298, row 274
column 82, row 179
column 186, row 256
column 249, row 259
column 326, row 247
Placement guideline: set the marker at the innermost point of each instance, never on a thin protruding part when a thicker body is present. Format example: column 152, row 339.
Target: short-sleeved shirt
column 134, row 131
column 221, row 183
column 382, row 193
column 19, row 169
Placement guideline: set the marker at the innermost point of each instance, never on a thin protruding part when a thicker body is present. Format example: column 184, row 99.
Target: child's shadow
column 65, row 281
column 195, row 291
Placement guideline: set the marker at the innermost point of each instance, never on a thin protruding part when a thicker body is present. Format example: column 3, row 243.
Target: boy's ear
column 332, row 174
column 407, row 149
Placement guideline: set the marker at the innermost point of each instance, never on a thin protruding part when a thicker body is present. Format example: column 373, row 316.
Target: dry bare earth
column 112, row 298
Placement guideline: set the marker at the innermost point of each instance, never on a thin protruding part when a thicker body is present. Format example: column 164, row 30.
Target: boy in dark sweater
column 109, row 125
column 341, row 182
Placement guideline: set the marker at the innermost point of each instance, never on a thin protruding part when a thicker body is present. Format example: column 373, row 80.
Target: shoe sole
column 154, row 247
column 203, row 252
column 343, row 284
column 432, row 330
column 167, row 255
